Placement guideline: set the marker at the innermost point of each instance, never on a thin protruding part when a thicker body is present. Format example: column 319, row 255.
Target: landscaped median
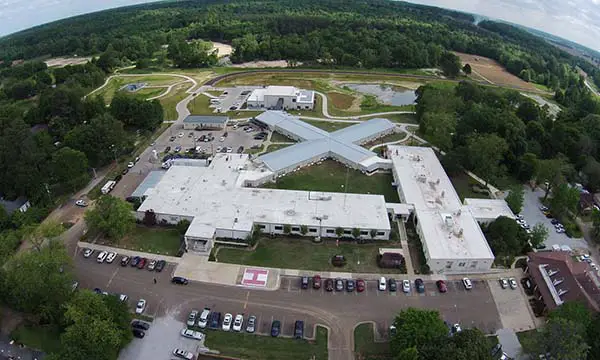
column 257, row 347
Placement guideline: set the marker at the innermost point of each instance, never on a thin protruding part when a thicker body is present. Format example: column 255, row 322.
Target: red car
column 316, row 282
column 142, row 263
column 360, row 285
column 441, row 285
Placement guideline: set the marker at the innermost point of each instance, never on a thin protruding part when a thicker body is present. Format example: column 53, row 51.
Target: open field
column 108, row 92
column 147, row 93
column 365, row 346
column 157, row 240
column 45, row 338
column 492, row 72
column 169, row 101
column 200, row 105
column 463, row 184
column 328, row 126
column 334, row 177
column 277, row 137
column 64, row 61
column 257, row 347
column 340, row 100
column 298, row 253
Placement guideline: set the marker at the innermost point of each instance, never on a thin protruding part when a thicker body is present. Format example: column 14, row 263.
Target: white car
column 180, row 134
column 560, row 230
column 406, row 286
column 111, row 257
column 238, row 322
column 183, row 354
column 130, row 165
column 219, row 149
column 222, row 138
column 594, row 266
column 227, row 322
column 87, row 252
column 191, row 334
column 191, row 321
column 467, row 283
column 229, row 149
column 140, row 307
column 81, row 203
column 203, row 320
column 513, row 283
column 503, row 283
column 102, row 256
column 382, row 284
column 123, row 297
column 456, row 328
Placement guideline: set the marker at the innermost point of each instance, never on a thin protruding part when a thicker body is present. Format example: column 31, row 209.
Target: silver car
column 251, row 324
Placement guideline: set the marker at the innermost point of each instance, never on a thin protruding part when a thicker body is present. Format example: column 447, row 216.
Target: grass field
column 147, row 93
column 108, row 92
column 328, row 126
column 275, row 147
column 157, row 240
column 257, row 347
column 242, row 114
column 298, row 253
column 399, row 118
column 45, row 338
column 366, row 348
column 277, row 137
column 253, row 151
column 339, row 100
column 169, row 101
column 199, row 105
column 463, row 185
column 397, row 136
column 334, row 177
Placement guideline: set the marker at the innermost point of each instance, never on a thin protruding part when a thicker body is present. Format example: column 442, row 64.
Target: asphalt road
column 339, row 311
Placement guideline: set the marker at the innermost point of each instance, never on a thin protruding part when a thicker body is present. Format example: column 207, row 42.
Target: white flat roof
column 275, row 90
column 489, row 209
column 449, row 229
column 214, row 197
column 257, row 95
column 305, row 97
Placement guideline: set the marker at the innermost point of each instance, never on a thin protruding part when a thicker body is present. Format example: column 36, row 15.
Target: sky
column 576, row 20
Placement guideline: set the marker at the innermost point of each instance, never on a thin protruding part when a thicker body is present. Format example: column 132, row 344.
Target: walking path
column 410, row 270
column 189, row 91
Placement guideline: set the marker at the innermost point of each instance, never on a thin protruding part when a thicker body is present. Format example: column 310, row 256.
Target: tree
column 515, row 199
column 339, row 231
column 69, row 167
column 416, row 328
column 450, row 64
column 505, row 237
column 303, row 229
column 46, row 231
column 182, row 226
column 149, row 218
column 467, row 69
column 39, row 282
column 356, row 233
column 552, row 340
column 373, row 233
column 596, row 225
column 564, row 200
column 573, row 310
column 485, row 153
column 552, row 171
column 137, row 113
column 111, row 216
column 539, row 234
column 287, row 229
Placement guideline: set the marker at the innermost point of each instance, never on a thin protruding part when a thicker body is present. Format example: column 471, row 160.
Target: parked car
column 152, row 265
column 360, row 285
column 183, row 353
column 406, row 286
column 142, row 263
column 513, row 283
column 503, row 283
column 350, row 285
column 392, row 285
column 191, row 334
column 167, row 149
column 102, row 256
column 125, row 260
column 138, row 333
column 544, row 208
column 138, row 324
column 160, row 265
column 339, row 284
column 420, row 285
column 177, row 149
column 329, row 285
column 87, row 252
column 496, row 349
column 135, row 260
column 123, row 297
column 204, row 318
column 179, row 280
column 215, row 320
column 140, row 307
column 299, row 329
column 81, row 203
column 227, row 322
column 180, row 134
column 304, row 282
column 382, row 284
column 191, row 320
column 338, row 260
column 251, row 324
column 455, row 329
column 441, row 285
column 467, row 283
column 238, row 322
column 275, row 328
column 316, row 282
column 111, row 257
column 240, row 150
column 130, row 165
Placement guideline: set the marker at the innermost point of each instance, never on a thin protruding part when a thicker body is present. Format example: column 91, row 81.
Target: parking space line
column 246, row 302
column 112, row 277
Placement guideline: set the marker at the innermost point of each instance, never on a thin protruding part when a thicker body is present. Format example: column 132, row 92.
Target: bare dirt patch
column 492, row 72
column 64, row 61
column 222, row 49
column 340, row 101
column 263, row 64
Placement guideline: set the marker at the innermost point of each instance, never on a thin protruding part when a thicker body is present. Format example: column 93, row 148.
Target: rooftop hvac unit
column 558, row 281
column 421, row 178
column 552, row 272
column 561, row 292
column 448, row 221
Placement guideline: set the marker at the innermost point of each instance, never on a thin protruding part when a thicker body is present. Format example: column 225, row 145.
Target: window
column 474, row 264
column 462, row 264
column 306, row 107
column 293, row 100
column 364, row 233
column 347, row 232
column 380, row 233
column 312, row 230
column 262, row 227
column 278, row 227
column 295, row 228
column 448, row 264
column 330, row 231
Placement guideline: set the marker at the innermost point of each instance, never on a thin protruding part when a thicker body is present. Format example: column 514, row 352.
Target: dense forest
column 367, row 34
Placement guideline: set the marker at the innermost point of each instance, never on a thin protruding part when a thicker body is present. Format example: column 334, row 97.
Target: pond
column 387, row 94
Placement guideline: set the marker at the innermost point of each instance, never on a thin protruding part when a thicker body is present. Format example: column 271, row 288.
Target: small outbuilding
column 193, row 122
column 19, row 204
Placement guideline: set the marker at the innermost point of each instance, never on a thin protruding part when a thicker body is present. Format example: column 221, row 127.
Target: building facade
column 193, row 122
column 281, row 98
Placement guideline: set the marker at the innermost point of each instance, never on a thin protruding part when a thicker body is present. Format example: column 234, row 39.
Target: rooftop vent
column 558, row 281
column 421, row 178
column 448, row 221
column 561, row 292
column 290, row 212
column 552, row 272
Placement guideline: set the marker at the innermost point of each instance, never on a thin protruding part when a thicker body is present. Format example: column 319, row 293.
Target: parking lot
column 532, row 214
column 233, row 98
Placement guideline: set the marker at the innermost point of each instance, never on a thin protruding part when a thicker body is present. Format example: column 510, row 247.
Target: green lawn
column 463, row 185
column 45, row 338
column 158, row 240
column 275, row 147
column 199, row 105
column 170, row 101
column 299, row 253
column 257, row 347
column 277, row 137
column 399, row 118
column 253, row 151
column 527, row 338
column 108, row 92
column 366, row 348
column 328, row 126
column 243, row 114
column 334, row 177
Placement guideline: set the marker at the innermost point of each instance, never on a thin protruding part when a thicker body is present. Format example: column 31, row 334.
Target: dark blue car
column 215, row 320
column 420, row 285
column 275, row 328
column 134, row 261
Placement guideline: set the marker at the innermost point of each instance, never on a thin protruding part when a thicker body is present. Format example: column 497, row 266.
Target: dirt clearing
column 490, row 71
column 64, row 61
column 263, row 64
column 222, row 49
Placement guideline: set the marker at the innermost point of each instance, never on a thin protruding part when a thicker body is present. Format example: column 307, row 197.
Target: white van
column 102, row 256
column 203, row 320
